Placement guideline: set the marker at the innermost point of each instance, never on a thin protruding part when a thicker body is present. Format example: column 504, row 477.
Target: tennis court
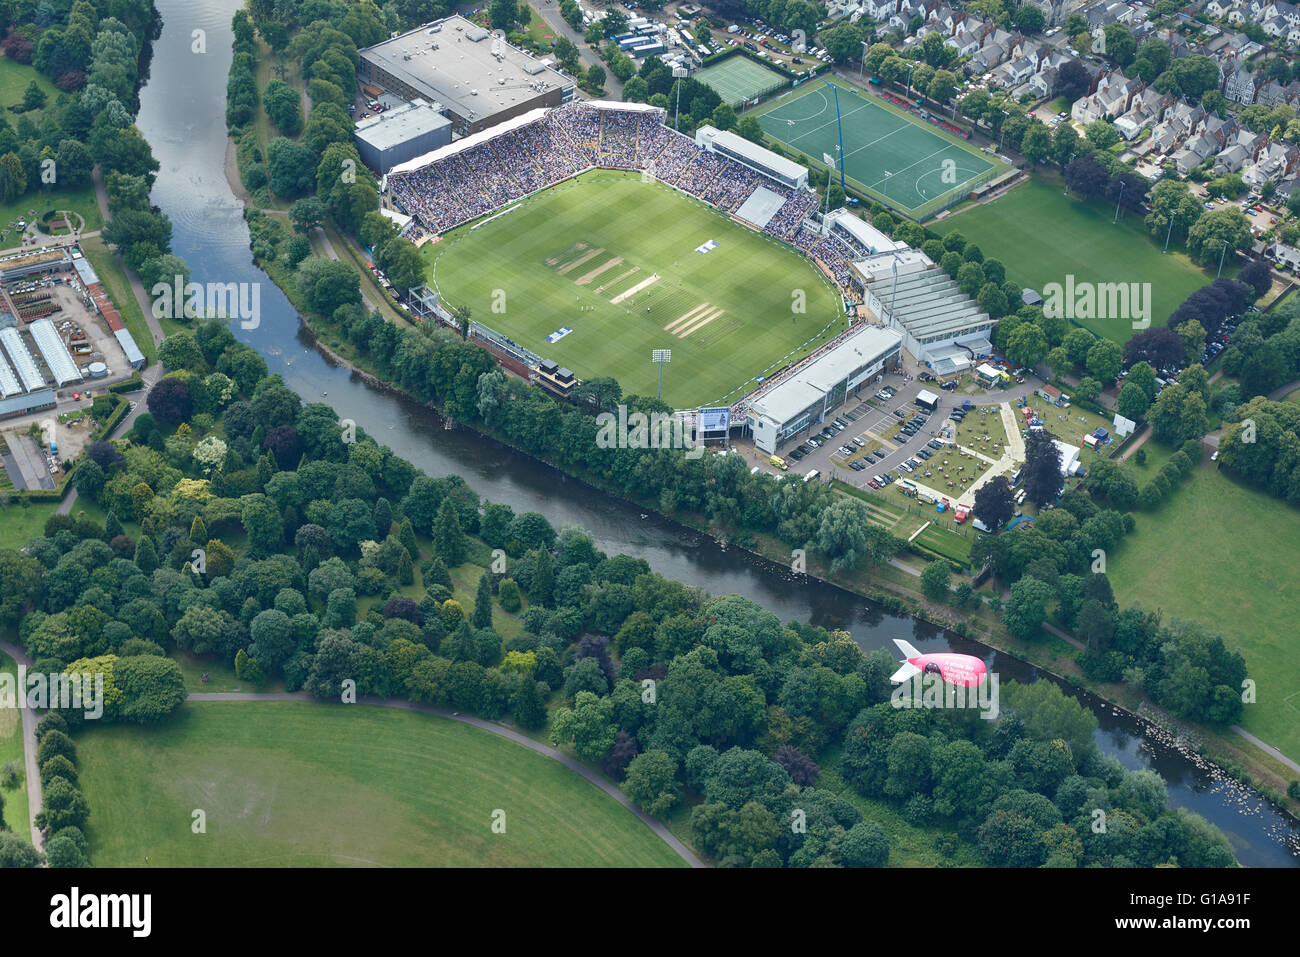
column 897, row 158
column 738, row 79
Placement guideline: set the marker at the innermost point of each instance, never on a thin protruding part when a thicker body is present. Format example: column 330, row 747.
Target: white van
column 814, row 474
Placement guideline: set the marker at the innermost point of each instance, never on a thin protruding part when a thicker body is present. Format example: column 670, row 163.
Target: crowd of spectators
column 475, row 181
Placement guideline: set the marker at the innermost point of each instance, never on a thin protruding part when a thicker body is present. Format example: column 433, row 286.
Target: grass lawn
column 11, row 749
column 1219, row 552
column 614, row 259
column 1157, row 454
column 18, row 524
column 288, row 784
column 1083, row 243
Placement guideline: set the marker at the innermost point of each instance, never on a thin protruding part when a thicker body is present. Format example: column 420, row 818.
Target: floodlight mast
column 661, row 357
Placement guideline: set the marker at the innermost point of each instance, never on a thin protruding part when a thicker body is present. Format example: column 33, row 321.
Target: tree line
column 260, row 534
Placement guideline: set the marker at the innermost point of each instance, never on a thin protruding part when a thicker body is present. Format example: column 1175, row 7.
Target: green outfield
column 896, row 157
column 739, row 78
column 1084, row 242
column 617, row 261
column 301, row 784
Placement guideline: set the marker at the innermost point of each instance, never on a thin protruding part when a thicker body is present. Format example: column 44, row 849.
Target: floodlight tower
column 840, row 131
column 661, row 357
column 679, row 74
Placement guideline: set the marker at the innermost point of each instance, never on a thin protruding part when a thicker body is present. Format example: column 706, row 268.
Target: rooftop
column 464, row 67
column 394, row 127
column 817, row 378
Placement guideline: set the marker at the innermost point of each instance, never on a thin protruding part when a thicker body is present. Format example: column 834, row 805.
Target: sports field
column 301, row 784
column 898, row 158
column 739, row 78
column 629, row 267
column 1043, row 236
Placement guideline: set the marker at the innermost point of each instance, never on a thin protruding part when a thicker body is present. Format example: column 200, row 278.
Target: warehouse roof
column 394, row 127
column 462, row 66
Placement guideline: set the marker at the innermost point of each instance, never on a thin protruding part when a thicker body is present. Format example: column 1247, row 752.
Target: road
column 501, row 731
column 551, row 14
column 137, row 287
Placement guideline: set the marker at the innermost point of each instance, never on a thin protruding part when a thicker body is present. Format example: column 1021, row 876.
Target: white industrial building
column 401, row 134
column 814, row 390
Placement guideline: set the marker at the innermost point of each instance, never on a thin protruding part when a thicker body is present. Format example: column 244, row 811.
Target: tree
column 402, row 262
column 1086, row 176
column 482, row 617
column 1028, row 19
column 13, row 178
column 1104, row 360
column 502, row 14
column 306, row 214
column 1026, row 608
column 651, row 782
column 1042, row 472
column 291, row 167
column 449, row 541
column 283, row 105
column 1133, row 401
column 995, row 502
column 1217, row 233
column 596, row 77
column 33, row 97
column 866, row 844
column 1027, row 345
column 588, row 726
column 935, row 578
column 328, row 284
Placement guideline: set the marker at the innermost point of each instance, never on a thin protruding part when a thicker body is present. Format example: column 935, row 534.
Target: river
column 182, row 116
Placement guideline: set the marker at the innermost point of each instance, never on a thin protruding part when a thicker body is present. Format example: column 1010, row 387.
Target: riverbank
column 894, row 587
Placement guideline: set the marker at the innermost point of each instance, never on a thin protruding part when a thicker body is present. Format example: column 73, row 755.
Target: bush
column 11, row 775
column 508, row 595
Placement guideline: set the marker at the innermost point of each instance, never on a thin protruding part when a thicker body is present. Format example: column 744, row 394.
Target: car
column 795, row 454
column 814, row 442
column 859, row 443
column 900, row 413
column 905, row 467
column 857, row 466
column 873, row 483
column 1209, row 205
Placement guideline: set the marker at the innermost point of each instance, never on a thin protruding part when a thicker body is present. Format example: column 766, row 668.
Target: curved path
column 509, row 734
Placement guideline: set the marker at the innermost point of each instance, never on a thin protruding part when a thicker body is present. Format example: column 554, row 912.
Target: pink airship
column 965, row 670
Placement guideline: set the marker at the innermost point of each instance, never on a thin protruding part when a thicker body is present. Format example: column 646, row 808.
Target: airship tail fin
column 905, row 673
column 906, row 648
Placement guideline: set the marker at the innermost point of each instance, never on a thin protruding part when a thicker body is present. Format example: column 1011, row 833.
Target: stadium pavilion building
column 758, row 158
column 941, row 326
column 819, row 387
column 401, row 134
column 477, row 77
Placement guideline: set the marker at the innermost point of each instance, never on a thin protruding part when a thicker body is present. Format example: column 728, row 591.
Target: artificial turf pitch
column 901, row 160
column 615, row 259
